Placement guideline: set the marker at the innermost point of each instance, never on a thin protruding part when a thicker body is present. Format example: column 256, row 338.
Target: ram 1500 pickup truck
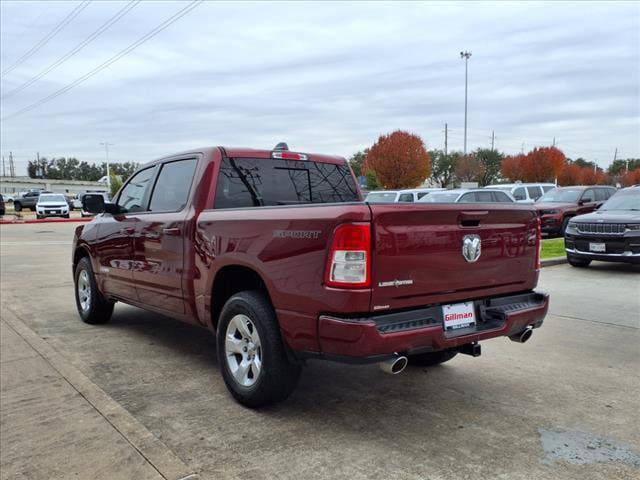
column 276, row 253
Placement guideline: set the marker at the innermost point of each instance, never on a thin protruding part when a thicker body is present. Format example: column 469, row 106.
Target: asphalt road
column 563, row 406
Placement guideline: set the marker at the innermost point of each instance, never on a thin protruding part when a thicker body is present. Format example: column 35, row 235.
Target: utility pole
column 4, row 173
column 493, row 138
column 12, row 168
column 446, row 134
column 106, row 151
column 522, row 149
column 466, row 56
column 554, row 141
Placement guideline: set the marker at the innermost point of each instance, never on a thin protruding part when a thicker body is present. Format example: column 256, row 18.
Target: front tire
column 578, row 262
column 431, row 359
column 92, row 306
column 17, row 206
column 252, row 356
column 563, row 228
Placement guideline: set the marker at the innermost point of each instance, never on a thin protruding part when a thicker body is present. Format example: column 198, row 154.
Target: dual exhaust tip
column 395, row 365
column 523, row 336
column 398, row 363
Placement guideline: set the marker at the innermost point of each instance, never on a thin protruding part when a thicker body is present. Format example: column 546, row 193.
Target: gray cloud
column 328, row 77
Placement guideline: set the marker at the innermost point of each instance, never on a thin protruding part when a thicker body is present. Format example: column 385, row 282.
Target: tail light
column 349, row 261
column 538, row 242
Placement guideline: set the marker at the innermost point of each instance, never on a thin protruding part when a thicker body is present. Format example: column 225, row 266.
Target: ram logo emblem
column 471, row 248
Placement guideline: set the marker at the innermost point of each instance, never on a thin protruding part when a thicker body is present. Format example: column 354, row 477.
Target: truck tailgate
column 418, row 253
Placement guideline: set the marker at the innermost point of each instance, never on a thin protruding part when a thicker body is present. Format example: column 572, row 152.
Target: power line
column 65, row 21
column 152, row 33
column 121, row 13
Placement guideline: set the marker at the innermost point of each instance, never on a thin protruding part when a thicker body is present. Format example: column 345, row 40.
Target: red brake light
column 286, row 155
column 349, row 260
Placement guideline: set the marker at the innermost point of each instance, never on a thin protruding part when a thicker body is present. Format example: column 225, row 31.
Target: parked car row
column 48, row 204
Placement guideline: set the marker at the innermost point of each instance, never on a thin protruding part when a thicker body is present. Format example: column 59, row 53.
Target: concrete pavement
column 562, row 406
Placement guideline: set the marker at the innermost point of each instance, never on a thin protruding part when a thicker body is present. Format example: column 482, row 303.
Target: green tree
column 444, row 166
column 372, row 180
column 620, row 166
column 116, row 183
column 356, row 161
column 491, row 160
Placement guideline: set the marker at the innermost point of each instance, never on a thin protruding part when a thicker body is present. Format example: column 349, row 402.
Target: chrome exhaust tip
column 523, row 336
column 394, row 365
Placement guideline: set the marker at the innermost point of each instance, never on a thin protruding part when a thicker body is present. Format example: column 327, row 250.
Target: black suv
column 610, row 234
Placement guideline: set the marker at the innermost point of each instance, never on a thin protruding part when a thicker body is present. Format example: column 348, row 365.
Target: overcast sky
column 325, row 77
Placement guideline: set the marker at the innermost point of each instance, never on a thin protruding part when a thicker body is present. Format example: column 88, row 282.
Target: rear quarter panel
column 287, row 246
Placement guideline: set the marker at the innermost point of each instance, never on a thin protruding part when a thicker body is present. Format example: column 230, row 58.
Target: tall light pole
column 466, row 56
column 106, row 151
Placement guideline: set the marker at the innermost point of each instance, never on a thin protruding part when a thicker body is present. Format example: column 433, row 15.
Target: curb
column 161, row 458
column 45, row 220
column 550, row 262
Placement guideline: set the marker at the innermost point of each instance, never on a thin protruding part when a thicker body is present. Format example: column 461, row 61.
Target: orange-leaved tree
column 399, row 160
column 632, row 177
column 570, row 175
column 512, row 167
column 543, row 164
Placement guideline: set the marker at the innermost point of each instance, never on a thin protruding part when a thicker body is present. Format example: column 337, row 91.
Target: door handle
column 127, row 230
column 171, row 231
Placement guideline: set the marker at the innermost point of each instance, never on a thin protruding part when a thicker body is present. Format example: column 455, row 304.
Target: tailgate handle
column 471, row 218
column 469, row 223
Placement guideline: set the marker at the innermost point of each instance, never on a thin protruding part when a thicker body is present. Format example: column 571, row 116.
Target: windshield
column 569, row 195
column 381, row 197
column 52, row 198
column 441, row 198
column 623, row 201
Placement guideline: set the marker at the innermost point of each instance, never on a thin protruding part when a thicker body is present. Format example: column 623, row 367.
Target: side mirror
column 93, row 203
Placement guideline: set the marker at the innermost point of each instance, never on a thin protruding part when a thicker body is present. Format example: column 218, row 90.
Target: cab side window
column 406, row 197
column 467, row 198
column 589, row 196
column 502, row 197
column 132, row 196
column 171, row 191
column 519, row 194
column 534, row 192
column 601, row 194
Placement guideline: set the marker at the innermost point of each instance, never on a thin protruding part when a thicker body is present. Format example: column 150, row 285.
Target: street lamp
column 106, row 151
column 466, row 56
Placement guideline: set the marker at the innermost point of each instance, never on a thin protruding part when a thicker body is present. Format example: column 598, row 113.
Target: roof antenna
column 281, row 146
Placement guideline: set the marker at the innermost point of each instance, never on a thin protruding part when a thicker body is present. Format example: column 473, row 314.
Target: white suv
column 525, row 192
column 402, row 196
column 52, row 205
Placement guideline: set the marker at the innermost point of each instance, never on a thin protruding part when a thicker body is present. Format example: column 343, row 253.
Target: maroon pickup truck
column 276, row 252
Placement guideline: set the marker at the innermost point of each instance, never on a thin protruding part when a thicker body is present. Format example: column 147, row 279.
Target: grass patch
column 552, row 248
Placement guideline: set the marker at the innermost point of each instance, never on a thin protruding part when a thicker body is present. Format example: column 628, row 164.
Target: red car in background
column 558, row 206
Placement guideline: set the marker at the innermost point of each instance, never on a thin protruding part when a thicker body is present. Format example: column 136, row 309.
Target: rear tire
column 252, row 356
column 66, row 216
column 92, row 306
column 432, row 358
column 39, row 217
column 578, row 262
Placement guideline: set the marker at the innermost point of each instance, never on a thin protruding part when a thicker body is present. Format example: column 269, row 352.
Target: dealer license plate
column 597, row 247
column 459, row 315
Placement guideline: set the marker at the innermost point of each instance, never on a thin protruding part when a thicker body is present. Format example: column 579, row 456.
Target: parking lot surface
column 564, row 405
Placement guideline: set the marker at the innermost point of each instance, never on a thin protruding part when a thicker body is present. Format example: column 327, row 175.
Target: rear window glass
column 245, row 182
column 502, row 197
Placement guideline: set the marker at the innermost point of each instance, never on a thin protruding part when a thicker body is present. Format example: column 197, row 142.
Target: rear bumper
column 371, row 339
